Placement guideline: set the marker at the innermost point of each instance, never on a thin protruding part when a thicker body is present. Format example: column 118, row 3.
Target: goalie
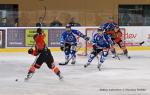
column 101, row 44
column 68, row 43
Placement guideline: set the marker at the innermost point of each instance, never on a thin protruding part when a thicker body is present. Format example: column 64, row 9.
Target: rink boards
column 20, row 39
column 133, row 48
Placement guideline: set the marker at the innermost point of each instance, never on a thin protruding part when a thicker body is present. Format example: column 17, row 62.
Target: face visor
column 100, row 32
column 68, row 29
column 116, row 29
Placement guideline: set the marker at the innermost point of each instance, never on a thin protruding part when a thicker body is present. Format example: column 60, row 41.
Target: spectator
column 55, row 23
column 40, row 23
column 73, row 22
column 16, row 22
column 126, row 19
column 4, row 23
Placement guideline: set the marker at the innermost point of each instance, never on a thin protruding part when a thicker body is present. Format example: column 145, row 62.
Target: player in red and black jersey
column 116, row 36
column 43, row 55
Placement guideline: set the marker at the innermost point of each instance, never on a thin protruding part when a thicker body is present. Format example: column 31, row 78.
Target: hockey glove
column 94, row 47
column 62, row 47
column 30, row 51
column 86, row 38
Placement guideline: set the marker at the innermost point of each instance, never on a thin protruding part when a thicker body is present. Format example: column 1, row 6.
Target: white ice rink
column 124, row 77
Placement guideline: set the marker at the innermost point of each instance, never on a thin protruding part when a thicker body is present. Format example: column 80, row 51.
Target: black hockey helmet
column 39, row 31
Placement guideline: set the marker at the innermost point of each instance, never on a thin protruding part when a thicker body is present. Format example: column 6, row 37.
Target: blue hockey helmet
column 100, row 29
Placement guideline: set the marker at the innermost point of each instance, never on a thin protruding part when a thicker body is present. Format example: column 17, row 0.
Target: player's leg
column 92, row 55
column 103, row 55
column 50, row 63
column 125, row 51
column 36, row 65
column 112, row 48
column 123, row 47
column 73, row 54
column 113, row 51
column 67, row 53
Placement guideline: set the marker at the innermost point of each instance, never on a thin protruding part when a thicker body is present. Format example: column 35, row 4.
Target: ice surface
column 124, row 77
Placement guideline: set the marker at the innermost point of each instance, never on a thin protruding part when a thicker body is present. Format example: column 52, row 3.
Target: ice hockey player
column 43, row 54
column 101, row 44
column 108, row 25
column 116, row 36
column 68, row 43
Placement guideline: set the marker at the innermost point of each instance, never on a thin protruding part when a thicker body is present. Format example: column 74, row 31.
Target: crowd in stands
column 56, row 23
column 41, row 23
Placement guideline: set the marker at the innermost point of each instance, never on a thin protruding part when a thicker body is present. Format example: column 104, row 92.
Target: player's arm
column 62, row 38
column 33, row 52
column 94, row 42
column 80, row 34
column 119, row 36
column 108, row 39
column 110, row 32
column 43, row 35
column 104, row 26
column 62, row 41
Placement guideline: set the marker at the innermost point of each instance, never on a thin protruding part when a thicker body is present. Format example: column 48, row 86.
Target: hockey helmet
column 100, row 31
column 68, row 27
column 39, row 30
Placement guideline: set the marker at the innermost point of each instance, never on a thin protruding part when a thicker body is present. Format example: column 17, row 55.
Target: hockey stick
column 44, row 14
column 141, row 43
column 44, row 7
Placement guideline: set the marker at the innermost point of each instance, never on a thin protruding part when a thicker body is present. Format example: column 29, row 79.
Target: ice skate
column 73, row 62
column 60, row 77
column 99, row 67
column 86, row 65
column 29, row 76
